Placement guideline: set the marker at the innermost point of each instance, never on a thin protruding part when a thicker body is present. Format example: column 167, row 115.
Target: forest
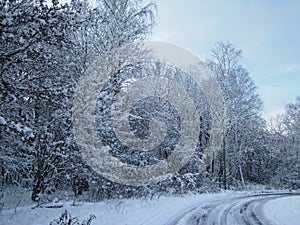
column 46, row 47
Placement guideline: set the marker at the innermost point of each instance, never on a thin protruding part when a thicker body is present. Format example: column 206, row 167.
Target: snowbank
column 283, row 210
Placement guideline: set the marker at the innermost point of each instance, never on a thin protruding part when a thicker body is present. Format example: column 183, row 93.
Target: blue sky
column 268, row 32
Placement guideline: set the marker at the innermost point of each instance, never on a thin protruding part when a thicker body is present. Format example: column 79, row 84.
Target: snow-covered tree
column 285, row 132
column 244, row 125
column 44, row 49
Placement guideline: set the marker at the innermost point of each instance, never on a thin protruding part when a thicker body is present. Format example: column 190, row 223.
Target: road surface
column 246, row 210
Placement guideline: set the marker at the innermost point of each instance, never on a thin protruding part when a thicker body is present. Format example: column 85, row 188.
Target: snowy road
column 223, row 208
column 248, row 210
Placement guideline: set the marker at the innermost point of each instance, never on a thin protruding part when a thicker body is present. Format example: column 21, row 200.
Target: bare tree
column 243, row 107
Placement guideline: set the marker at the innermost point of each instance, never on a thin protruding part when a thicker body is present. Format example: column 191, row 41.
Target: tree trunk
column 224, row 164
column 242, row 176
column 38, row 188
column 213, row 164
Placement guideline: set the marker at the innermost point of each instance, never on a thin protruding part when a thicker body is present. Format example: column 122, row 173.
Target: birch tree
column 243, row 106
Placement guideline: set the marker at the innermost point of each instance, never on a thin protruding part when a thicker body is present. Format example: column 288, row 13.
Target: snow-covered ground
column 219, row 208
column 283, row 210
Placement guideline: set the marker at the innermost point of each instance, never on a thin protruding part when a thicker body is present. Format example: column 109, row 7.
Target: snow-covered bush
column 67, row 219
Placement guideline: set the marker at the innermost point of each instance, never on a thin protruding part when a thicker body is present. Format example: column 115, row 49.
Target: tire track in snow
column 246, row 210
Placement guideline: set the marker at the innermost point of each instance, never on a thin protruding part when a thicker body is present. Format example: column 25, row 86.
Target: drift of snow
column 283, row 210
column 146, row 212
column 113, row 212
